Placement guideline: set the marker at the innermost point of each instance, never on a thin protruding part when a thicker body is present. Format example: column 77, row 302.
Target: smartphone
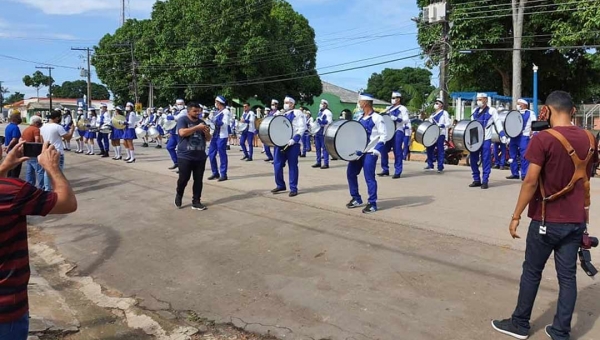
column 32, row 149
column 540, row 125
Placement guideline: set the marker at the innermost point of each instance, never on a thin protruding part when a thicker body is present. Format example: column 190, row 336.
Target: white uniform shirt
column 132, row 118
column 106, row 116
column 298, row 123
column 224, row 131
column 329, row 117
column 251, row 118
column 181, row 113
column 444, row 120
column 532, row 117
column 403, row 120
column 378, row 131
column 53, row 133
column 488, row 129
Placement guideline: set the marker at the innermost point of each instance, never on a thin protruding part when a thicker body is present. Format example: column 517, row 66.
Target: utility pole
column 518, row 11
column 1, row 102
column 133, row 66
column 49, row 68
column 89, row 75
column 444, row 63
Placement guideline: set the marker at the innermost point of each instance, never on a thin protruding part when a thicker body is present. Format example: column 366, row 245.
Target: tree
column 37, row 81
column 15, row 97
column 413, row 83
column 197, row 49
column 486, row 29
column 78, row 88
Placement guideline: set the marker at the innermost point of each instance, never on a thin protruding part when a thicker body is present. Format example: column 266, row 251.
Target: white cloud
column 73, row 7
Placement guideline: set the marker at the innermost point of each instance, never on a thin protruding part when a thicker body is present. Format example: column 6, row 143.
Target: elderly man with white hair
column 488, row 117
column 518, row 145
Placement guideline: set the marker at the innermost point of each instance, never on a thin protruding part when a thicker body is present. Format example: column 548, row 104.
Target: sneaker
column 512, row 177
column 383, row 174
column 475, row 184
column 353, row 204
column 178, row 201
column 213, row 177
column 484, row 186
column 507, row 327
column 428, row 168
column 198, row 206
column 369, row 209
column 548, row 330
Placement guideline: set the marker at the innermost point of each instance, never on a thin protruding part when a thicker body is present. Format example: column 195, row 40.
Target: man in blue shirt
column 12, row 135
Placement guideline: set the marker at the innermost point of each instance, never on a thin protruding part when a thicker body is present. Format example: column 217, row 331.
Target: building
column 38, row 105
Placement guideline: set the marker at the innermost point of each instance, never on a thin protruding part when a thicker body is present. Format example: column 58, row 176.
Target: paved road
column 436, row 262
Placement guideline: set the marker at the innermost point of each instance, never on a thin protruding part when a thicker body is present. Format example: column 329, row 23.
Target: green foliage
column 37, row 80
column 197, row 49
column 78, row 88
column 15, row 97
column 488, row 25
column 413, row 83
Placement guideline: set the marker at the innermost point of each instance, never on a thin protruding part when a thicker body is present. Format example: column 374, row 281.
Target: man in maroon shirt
column 17, row 200
column 566, row 219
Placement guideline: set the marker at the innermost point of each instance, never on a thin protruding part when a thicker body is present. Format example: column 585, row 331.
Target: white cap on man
column 366, row 96
column 482, row 95
column 522, row 101
column 290, row 99
column 323, row 101
column 396, row 94
column 103, row 105
column 180, row 102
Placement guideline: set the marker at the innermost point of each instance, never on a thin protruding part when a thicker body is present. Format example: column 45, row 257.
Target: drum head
column 474, row 136
column 431, row 135
column 390, row 127
column 513, row 124
column 348, row 137
column 280, row 130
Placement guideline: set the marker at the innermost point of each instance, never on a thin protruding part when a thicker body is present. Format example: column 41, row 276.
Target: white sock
column 118, row 151
column 81, row 147
column 115, row 151
column 91, row 146
column 132, row 154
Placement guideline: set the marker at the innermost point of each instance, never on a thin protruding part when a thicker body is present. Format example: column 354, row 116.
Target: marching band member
column 154, row 121
column 173, row 140
column 103, row 119
column 117, row 134
column 272, row 112
column 324, row 118
column 145, row 124
column 499, row 156
column 160, row 120
column 180, row 110
column 518, row 145
column 218, row 144
column 442, row 119
column 373, row 123
column 291, row 151
column 399, row 115
column 247, row 136
column 67, row 122
column 129, row 134
column 79, row 140
column 306, row 137
column 90, row 134
column 487, row 116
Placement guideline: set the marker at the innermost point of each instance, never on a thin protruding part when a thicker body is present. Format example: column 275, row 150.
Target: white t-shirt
column 53, row 133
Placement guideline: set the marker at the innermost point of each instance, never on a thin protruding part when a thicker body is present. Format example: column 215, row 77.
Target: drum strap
column 581, row 173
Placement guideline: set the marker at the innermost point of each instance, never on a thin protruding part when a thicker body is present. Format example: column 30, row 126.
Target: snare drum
column 390, row 127
column 241, row 127
column 315, row 127
column 468, row 135
column 512, row 122
column 140, row 132
column 106, row 128
column 427, row 134
column 344, row 137
column 275, row 131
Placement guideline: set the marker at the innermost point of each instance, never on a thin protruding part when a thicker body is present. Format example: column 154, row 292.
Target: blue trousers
column 33, row 172
column 500, row 154
column 486, row 159
column 406, row 144
column 518, row 147
column 218, row 146
column 368, row 163
column 396, row 145
column 291, row 157
column 47, row 181
column 172, row 147
column 321, row 150
column 441, row 153
column 103, row 141
column 268, row 152
column 247, row 138
column 16, row 330
column 305, row 143
column 564, row 240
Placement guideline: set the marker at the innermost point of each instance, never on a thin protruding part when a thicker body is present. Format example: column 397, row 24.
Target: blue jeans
column 47, row 182
column 33, row 171
column 564, row 240
column 16, row 330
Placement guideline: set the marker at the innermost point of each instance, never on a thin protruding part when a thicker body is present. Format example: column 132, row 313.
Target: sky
column 33, row 32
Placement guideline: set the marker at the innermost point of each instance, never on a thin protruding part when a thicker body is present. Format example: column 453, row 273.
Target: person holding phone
column 19, row 199
column 33, row 171
column 53, row 133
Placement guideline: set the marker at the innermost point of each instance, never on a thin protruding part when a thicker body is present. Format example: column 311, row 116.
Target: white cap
column 522, row 101
column 482, row 95
column 290, row 99
column 267, row 109
column 396, row 94
column 129, row 104
column 179, row 102
column 103, row 105
column 323, row 101
column 274, row 101
column 366, row 96
column 221, row 99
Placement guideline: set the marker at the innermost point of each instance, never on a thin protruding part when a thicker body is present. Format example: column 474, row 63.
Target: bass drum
column 153, row 132
column 140, row 132
column 467, row 135
column 390, row 127
column 512, row 122
column 315, row 127
column 344, row 137
column 427, row 134
column 275, row 131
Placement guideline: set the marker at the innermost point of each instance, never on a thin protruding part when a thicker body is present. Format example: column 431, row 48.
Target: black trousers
column 15, row 173
column 188, row 168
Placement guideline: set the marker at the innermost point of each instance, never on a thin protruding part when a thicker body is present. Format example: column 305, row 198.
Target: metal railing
column 588, row 122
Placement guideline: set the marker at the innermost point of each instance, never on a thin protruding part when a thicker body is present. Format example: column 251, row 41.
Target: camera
column 540, row 125
column 585, row 257
column 32, row 149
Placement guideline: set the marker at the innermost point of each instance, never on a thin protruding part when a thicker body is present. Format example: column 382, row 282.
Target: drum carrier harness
column 581, row 173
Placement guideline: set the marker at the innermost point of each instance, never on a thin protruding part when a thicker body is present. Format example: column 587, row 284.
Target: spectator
column 18, row 199
column 12, row 135
column 53, row 133
column 33, row 170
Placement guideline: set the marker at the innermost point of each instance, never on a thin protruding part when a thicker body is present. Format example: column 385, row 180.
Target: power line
column 36, row 62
